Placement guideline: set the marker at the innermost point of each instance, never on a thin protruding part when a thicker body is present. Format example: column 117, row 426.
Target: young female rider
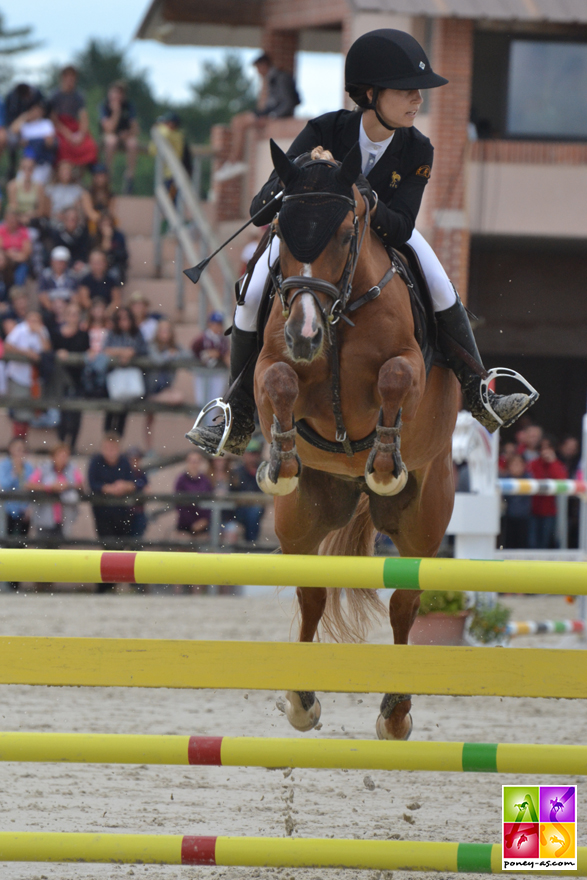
column 384, row 72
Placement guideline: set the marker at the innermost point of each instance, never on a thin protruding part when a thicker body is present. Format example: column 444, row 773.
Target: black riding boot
column 243, row 353
column 454, row 323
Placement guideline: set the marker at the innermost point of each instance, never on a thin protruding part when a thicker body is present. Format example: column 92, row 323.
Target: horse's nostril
column 288, row 336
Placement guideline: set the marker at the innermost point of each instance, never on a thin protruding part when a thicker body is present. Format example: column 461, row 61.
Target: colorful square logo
column 539, row 827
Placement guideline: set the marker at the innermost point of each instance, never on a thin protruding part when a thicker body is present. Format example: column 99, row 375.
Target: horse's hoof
column 283, row 486
column 393, row 487
column 300, row 718
column 383, row 733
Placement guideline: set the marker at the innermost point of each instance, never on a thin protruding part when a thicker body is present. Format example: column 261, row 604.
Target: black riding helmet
column 387, row 59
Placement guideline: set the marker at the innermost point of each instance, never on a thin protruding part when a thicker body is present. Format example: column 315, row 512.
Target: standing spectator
column 29, row 338
column 100, row 282
column 569, row 452
column 140, row 305
column 162, row 350
column 72, row 233
column 68, row 339
column 516, row 519
column 141, row 480
column 118, row 119
column 196, row 481
column 70, row 118
column 57, row 281
column 169, row 126
column 543, row 520
column 110, row 474
column 61, row 479
column 112, row 242
column 97, row 363
column 281, row 99
column 124, row 341
column 531, row 438
column 15, row 241
column 25, row 197
column 66, row 193
column 15, row 472
column 211, row 349
column 244, row 479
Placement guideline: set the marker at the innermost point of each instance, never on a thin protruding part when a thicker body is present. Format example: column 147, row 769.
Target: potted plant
column 487, row 625
column 441, row 619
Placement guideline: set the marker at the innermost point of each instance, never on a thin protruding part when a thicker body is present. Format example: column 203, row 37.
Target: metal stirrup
column 503, row 372
column 218, row 403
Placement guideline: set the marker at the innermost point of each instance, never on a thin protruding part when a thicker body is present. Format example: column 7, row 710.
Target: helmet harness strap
column 373, row 106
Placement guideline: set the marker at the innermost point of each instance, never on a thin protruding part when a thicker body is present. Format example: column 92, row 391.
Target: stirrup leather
column 503, row 372
column 217, row 403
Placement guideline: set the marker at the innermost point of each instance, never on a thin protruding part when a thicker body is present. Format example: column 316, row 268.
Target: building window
column 547, row 89
column 524, row 87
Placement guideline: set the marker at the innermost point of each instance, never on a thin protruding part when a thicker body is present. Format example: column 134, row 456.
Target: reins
column 339, row 295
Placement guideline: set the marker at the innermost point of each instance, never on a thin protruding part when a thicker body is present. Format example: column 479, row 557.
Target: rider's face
column 399, row 107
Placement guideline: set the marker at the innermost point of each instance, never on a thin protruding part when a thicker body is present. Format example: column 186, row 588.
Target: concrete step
column 141, row 253
column 135, row 214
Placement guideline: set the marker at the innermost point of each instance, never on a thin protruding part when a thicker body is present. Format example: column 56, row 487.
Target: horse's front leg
column 278, row 390
column 401, row 385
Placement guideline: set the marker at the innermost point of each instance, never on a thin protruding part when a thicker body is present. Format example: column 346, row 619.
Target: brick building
column 505, row 206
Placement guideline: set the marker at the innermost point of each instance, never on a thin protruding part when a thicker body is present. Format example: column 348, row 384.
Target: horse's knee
column 280, row 383
column 400, row 385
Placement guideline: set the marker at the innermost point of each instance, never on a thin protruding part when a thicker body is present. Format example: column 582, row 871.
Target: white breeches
column 441, row 290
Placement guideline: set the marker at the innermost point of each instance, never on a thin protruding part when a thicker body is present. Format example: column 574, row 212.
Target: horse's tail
column 364, row 607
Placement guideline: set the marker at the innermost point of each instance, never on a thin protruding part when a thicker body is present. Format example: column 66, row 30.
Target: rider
column 384, row 73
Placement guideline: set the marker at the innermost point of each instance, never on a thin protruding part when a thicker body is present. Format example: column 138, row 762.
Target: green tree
column 223, row 91
column 12, row 42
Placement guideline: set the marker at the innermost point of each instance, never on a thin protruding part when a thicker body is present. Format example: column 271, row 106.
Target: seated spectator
column 516, row 518
column 124, row 341
column 29, row 338
column 139, row 304
column 281, row 99
column 3, row 131
column 25, row 197
column 542, row 533
column 15, row 241
column 162, row 350
column 38, row 139
column 97, row 325
column 110, row 474
column 118, row 119
column 72, row 233
column 15, row 472
column 6, row 282
column 70, row 118
column 70, row 338
column 169, row 126
column 211, row 349
column 100, row 282
column 102, row 197
column 62, row 480
column 57, row 281
column 112, row 242
column 195, row 481
column 244, row 479
column 141, row 480
column 66, row 193
column 17, row 311
column 17, row 106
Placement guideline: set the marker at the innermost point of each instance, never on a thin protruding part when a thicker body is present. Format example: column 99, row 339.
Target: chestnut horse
column 326, row 501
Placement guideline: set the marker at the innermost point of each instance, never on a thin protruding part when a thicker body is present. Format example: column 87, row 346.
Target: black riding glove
column 366, row 190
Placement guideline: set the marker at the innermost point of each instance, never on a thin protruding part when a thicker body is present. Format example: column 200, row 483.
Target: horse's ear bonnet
column 307, row 225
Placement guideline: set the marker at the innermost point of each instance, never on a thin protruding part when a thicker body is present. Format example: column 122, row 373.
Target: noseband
column 338, row 294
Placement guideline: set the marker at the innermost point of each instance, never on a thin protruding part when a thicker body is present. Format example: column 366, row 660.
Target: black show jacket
column 398, row 178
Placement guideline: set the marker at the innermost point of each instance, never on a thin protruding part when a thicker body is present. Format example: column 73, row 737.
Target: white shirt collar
column 372, row 148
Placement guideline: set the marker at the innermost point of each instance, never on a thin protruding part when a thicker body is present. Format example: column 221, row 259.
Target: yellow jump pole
column 240, row 751
column 338, row 668
column 383, row 855
column 95, row 566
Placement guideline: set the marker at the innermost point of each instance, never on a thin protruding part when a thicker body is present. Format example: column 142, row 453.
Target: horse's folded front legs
column 399, row 387
column 280, row 475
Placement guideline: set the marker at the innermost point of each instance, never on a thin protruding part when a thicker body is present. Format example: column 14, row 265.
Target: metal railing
column 194, row 235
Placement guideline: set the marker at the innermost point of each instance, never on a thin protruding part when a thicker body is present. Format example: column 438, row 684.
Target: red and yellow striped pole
column 383, row 855
column 95, row 566
column 241, row 751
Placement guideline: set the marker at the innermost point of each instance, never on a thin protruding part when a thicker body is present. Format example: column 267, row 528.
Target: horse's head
column 318, row 226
